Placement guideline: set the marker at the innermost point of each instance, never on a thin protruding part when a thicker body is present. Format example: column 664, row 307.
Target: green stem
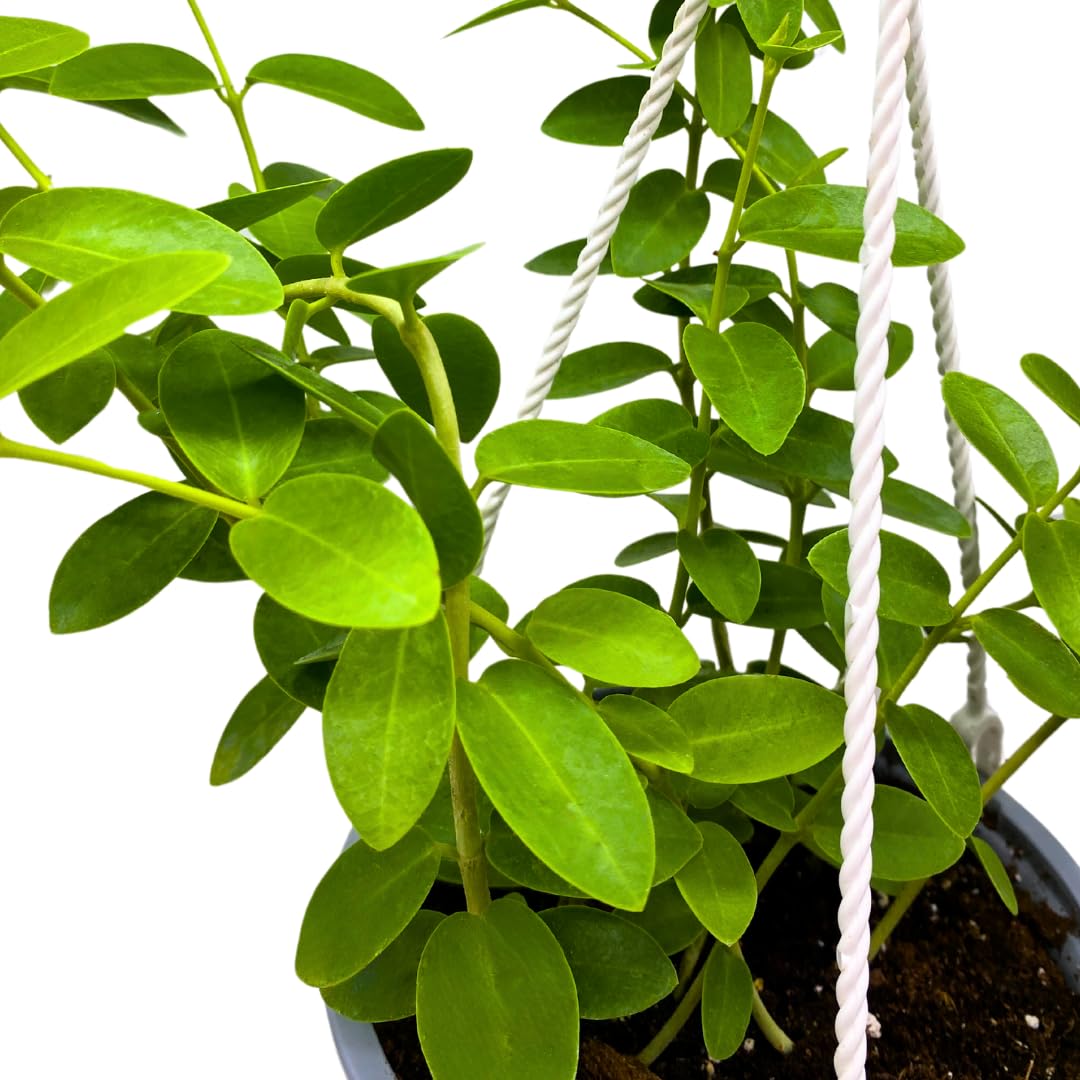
column 24, row 159
column 511, row 642
column 675, row 1022
column 18, row 288
column 792, row 557
column 798, row 317
column 688, row 963
column 776, row 1036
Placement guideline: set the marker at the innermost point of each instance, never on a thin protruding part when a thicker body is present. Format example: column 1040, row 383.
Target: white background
column 148, row 921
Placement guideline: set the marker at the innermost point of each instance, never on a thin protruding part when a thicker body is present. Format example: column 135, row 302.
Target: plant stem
column 798, row 316
column 221, row 503
column 792, row 557
column 688, row 963
column 604, row 29
column 233, row 100
column 18, row 288
column 777, row 1037
column 24, row 159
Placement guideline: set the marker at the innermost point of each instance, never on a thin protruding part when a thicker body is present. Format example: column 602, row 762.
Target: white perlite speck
column 873, row 1026
column 1032, row 1021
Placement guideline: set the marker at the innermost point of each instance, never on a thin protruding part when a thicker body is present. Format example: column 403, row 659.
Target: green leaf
column 407, row 447
column 1037, row 663
column 511, row 8
column 618, row 968
column 30, row 44
column 112, row 72
column 726, row 1001
column 290, row 233
column 283, row 639
column 677, row 837
column 340, row 83
column 1005, row 433
column 914, row 585
column 666, row 918
column 618, row 583
column 510, row 857
column 747, row 728
column 94, row 312
column 562, row 260
column 723, row 566
column 611, row 637
column 910, row 503
column 586, row 458
column 145, row 112
column 772, row 21
column 647, row 549
column 342, row 550
column 1055, row 382
column 235, row 419
column 63, row 403
column 602, row 113
column 402, row 282
column 76, row 233
column 718, row 884
column 1052, row 554
column 502, row 972
column 678, row 297
column 388, row 194
column 124, row 560
column 471, row 362
column 386, row 989
column 771, row 802
column 490, row 600
column 790, row 598
column 783, row 153
column 584, row 814
column 724, row 82
column 824, row 18
column 214, row 561
column 939, row 763
column 662, row 223
column 333, row 445
column 827, row 219
column 606, row 367
column 257, row 725
column 663, row 423
column 242, row 211
column 364, row 901
column 646, row 732
column 722, row 178
column 753, row 377
column 387, row 725
column 996, row 872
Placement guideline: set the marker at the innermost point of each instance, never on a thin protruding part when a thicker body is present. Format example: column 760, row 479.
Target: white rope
column 635, row 149
column 867, row 449
column 979, row 725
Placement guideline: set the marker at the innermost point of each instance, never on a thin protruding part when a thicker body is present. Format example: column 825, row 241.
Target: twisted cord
column 634, row 152
column 867, row 448
column 977, row 722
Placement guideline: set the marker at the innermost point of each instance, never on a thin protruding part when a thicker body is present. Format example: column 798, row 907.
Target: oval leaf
column 113, row 72
column 666, row 424
column 1055, row 382
column 602, row 113
column 63, row 403
column 718, row 884
column 284, row 639
column 726, row 1002
column 257, row 725
column 996, row 872
column 241, row 211
column 401, row 282
column 606, row 367
column 31, row 44
column 647, row 732
column 662, row 223
column 1052, row 554
column 724, row 83
column 726, row 570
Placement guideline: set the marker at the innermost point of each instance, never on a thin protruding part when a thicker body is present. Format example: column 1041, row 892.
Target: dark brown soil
column 953, row 992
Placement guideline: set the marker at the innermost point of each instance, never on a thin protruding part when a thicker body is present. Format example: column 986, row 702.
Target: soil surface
column 963, row 991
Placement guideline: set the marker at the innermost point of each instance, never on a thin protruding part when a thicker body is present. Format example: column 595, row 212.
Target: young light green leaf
column 723, row 566
column 510, row 8
column 258, row 724
column 26, row 45
column 718, row 884
column 115, row 72
column 613, row 638
column 663, row 423
column 342, row 550
column 996, row 872
column 75, row 233
column 748, row 728
column 503, row 972
column 1005, row 433
column 364, row 901
column 606, row 367
column 602, row 113
column 753, row 377
column 827, row 219
column 284, row 639
column 402, row 282
column 584, row 814
column 340, row 83
column 824, row 17
column 677, row 837
column 772, row 22
column 388, row 194
column 662, row 223
column 1055, row 382
column 725, row 85
column 1052, row 554
column 647, row 732
column 63, row 403
column 242, row 211
column 726, row 1002
column 125, row 560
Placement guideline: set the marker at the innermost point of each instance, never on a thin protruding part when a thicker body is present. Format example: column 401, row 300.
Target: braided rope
column 867, row 449
column 977, row 722
column 635, row 150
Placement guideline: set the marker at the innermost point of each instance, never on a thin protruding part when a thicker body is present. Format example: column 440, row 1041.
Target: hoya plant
column 560, row 833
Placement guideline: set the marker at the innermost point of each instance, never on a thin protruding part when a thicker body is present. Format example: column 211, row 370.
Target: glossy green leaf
column 510, row 8
column 97, row 310
column 824, row 17
column 290, row 232
column 827, row 219
column 724, row 82
column 1055, row 382
column 364, row 901
column 722, row 178
column 342, row 550
column 677, row 837
column 602, row 113
column 562, row 260
column 939, row 763
column 647, row 548
column 910, row 503
column 214, row 561
column 509, row 856
column 646, row 732
column 723, row 566
column 914, row 585
column 471, row 362
column 772, row 21
column 402, row 282
column 332, row 444
column 340, row 83
column 388, row 194
column 1052, row 554
column 387, row 725
column 242, row 211
column 1005, row 433
column 726, row 1001
column 75, row 233
column 666, row 918
column 605, row 367
column 677, row 297
column 489, row 598
column 586, row 458
column 747, row 728
column 9, row 196
column 771, row 802
column 618, row 968
column 238, row 422
column 30, row 44
column 783, row 153
column 753, row 378
column 790, row 598
column 502, row 972
column 718, row 884
column 611, row 637
column 64, row 402
column 662, row 223
column 112, row 72
column 145, row 112
column 663, row 423
column 258, row 724
column 283, row 639
column 584, row 813
column 635, row 588
column 996, row 872
column 125, row 560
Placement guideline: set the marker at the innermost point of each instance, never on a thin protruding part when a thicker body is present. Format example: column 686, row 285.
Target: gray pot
column 1046, row 871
